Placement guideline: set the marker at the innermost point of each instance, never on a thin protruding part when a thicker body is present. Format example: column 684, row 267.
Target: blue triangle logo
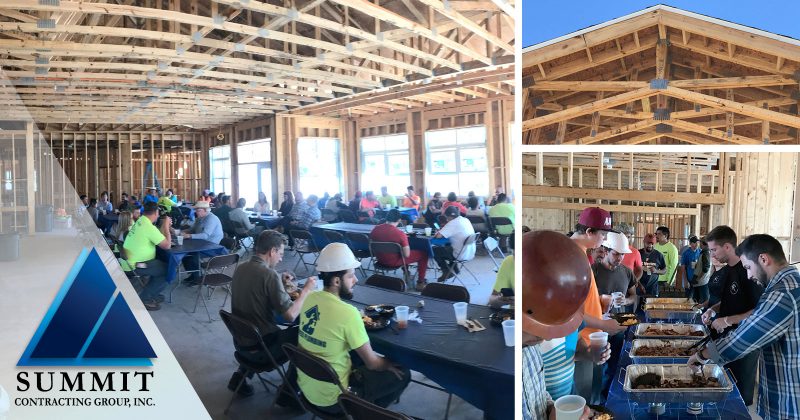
column 89, row 323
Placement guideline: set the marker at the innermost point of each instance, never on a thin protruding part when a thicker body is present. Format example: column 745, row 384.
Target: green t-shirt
column 140, row 244
column 165, row 202
column 505, row 275
column 503, row 210
column 329, row 329
column 670, row 253
column 389, row 199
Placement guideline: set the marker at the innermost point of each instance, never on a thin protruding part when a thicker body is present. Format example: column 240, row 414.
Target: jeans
column 157, row 271
column 378, row 387
column 191, row 263
column 651, row 287
column 701, row 293
column 444, row 257
column 273, row 341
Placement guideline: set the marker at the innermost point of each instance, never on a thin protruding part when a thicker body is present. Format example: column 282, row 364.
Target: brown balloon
column 555, row 282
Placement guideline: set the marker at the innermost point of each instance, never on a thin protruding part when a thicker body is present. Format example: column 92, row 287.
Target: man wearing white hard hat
column 614, row 279
column 330, row 328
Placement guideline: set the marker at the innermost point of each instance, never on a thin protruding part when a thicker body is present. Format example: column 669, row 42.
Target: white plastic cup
column 387, row 207
column 508, row 332
column 401, row 312
column 570, row 407
column 320, row 285
column 179, row 240
column 461, row 312
column 409, row 228
column 617, row 299
column 274, row 212
column 428, row 231
column 597, row 344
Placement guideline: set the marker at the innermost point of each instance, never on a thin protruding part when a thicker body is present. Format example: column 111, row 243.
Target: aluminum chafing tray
column 677, row 395
column 657, row 312
column 682, row 329
column 641, row 342
column 684, row 306
column 662, row 300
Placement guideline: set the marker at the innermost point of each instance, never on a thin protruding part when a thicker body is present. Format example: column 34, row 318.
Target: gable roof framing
column 705, row 79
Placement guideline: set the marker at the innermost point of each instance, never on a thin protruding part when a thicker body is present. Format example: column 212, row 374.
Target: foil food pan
column 683, row 331
column 677, row 395
column 662, row 300
column 655, row 342
column 684, row 315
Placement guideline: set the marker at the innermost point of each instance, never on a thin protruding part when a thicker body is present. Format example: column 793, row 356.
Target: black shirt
column 656, row 257
column 715, row 283
column 739, row 293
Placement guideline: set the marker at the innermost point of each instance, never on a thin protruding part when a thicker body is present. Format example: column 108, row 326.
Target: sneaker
column 287, row 401
column 152, row 305
column 245, row 390
column 160, row 298
column 444, row 277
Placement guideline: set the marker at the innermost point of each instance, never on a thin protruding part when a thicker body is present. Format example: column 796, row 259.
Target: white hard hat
column 335, row 257
column 618, row 242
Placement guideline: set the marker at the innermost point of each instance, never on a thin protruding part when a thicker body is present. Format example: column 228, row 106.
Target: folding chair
column 460, row 262
column 491, row 245
column 389, row 248
column 386, row 282
column 214, row 277
column 131, row 274
column 496, row 222
column 359, row 409
column 359, row 245
column 243, row 331
column 449, row 292
column 317, row 369
column 303, row 245
column 240, row 234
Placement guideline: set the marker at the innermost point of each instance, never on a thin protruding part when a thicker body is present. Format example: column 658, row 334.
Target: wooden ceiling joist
column 232, row 55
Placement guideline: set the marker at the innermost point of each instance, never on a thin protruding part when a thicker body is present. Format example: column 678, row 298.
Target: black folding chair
column 213, row 277
column 318, row 369
column 389, row 248
column 241, row 234
column 359, row 245
column 449, row 292
column 501, row 237
column 386, row 282
column 329, row 215
column 243, row 331
column 304, row 245
column 359, row 409
column 132, row 275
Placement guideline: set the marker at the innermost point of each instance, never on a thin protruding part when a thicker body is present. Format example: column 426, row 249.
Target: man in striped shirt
column 773, row 327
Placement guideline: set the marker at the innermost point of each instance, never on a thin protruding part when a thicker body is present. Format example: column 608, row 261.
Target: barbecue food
column 666, row 350
column 653, row 381
column 629, row 322
column 602, row 416
column 369, row 322
column 670, row 331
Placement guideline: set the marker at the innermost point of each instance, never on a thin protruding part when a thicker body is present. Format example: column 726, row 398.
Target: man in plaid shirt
column 773, row 327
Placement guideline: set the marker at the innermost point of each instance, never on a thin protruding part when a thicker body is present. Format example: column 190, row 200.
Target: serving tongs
column 699, row 345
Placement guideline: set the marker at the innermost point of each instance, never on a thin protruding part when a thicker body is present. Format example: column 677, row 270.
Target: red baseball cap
column 596, row 218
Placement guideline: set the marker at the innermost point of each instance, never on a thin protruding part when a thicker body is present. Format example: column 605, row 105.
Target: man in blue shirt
column 152, row 195
column 773, row 328
column 688, row 259
column 206, row 227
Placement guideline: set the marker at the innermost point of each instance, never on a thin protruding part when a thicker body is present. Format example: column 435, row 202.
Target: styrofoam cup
column 461, row 311
column 428, row 231
column 570, row 407
column 401, row 312
column 179, row 240
column 508, row 332
column 597, row 344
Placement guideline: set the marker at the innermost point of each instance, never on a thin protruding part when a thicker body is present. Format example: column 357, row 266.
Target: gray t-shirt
column 257, row 293
column 608, row 281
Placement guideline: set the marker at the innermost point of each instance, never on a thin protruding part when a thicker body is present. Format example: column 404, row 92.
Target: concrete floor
column 205, row 352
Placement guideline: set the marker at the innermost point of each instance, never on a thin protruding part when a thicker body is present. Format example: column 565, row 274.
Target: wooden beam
column 588, row 108
column 721, row 135
column 726, row 105
column 624, row 195
column 616, row 131
column 533, row 203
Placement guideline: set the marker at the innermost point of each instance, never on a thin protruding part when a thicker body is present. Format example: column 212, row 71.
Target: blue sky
column 543, row 20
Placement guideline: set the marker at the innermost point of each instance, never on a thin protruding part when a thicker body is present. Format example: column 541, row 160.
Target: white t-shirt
column 457, row 230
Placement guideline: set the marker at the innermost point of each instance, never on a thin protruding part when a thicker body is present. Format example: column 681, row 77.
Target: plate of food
column 290, row 284
column 379, row 311
column 626, row 319
column 598, row 412
column 376, row 323
column 498, row 317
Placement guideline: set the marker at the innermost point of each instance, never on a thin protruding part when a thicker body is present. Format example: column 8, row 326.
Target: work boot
column 245, row 390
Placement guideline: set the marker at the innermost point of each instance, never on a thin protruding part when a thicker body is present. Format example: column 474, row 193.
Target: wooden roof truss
column 663, row 76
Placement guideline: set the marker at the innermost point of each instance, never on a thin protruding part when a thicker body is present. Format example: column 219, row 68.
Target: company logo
column 88, row 324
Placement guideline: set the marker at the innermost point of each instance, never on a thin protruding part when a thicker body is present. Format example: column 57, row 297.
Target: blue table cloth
column 419, row 242
column 622, row 407
column 174, row 255
column 477, row 367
